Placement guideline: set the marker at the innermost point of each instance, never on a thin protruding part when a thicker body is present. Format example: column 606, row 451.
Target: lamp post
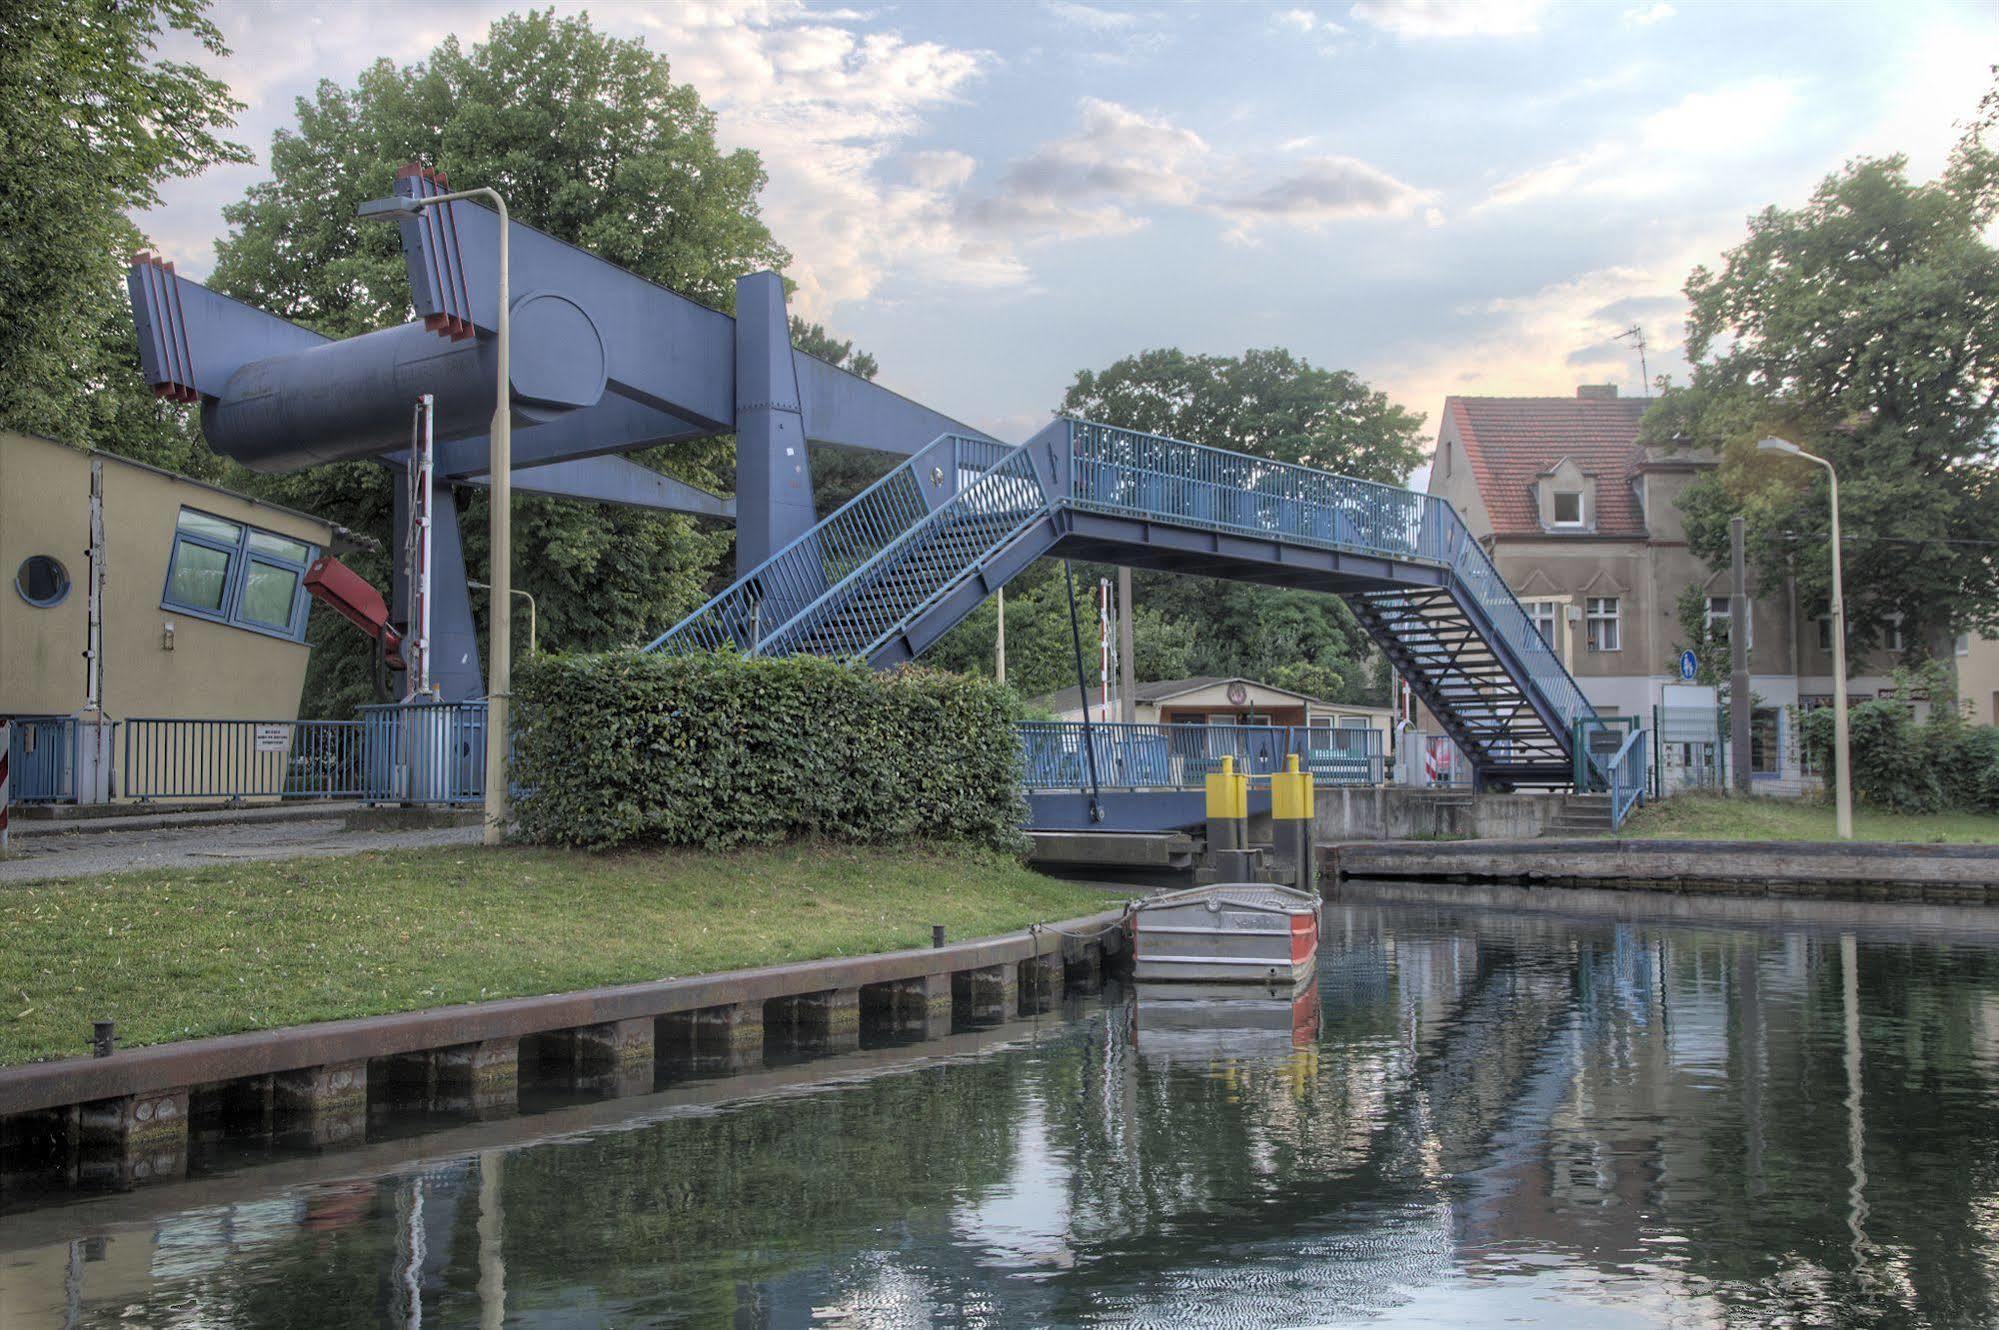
column 1843, row 788
column 534, row 646
column 499, row 464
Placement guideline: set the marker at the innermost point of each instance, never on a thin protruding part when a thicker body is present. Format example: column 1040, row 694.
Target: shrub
column 1971, row 769
column 1907, row 766
column 722, row 750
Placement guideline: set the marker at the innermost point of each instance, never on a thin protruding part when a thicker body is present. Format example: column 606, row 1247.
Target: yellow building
column 134, row 592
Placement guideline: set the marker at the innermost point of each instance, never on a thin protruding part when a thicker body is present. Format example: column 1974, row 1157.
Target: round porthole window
column 42, row 580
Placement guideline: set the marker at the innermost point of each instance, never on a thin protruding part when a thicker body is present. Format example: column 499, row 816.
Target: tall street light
column 1843, row 789
column 500, row 469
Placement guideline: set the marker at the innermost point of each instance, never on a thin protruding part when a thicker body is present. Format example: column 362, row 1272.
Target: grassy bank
column 1712, row 817
column 178, row 955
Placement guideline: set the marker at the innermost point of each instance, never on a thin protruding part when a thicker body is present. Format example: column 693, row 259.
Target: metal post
column 1127, row 668
column 499, row 671
column 999, row 638
column 6, row 746
column 1738, row 653
column 1843, row 775
column 422, row 470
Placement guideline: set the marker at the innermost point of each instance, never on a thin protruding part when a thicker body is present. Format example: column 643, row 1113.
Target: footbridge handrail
column 768, row 596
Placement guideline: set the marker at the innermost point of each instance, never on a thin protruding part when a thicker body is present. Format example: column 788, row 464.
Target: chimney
column 1597, row 392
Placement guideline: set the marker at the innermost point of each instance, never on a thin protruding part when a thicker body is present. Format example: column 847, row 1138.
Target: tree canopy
column 1864, row 327
column 589, row 139
column 92, row 123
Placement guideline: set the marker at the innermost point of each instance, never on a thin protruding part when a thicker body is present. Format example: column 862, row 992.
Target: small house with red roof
column 1584, row 524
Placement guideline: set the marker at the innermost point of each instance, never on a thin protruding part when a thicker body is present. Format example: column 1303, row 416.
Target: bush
column 1906, row 766
column 722, row 750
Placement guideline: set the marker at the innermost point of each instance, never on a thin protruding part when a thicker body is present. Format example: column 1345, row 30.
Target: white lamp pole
column 499, row 465
column 1843, row 787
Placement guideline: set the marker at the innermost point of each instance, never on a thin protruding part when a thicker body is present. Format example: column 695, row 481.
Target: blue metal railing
column 1122, row 471
column 795, row 578
column 42, row 760
column 908, row 574
column 1625, row 776
column 401, row 753
column 1141, row 756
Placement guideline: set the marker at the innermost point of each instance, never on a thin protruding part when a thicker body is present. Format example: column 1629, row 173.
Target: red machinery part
column 350, row 595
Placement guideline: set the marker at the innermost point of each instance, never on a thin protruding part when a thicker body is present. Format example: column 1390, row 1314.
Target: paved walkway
column 196, row 844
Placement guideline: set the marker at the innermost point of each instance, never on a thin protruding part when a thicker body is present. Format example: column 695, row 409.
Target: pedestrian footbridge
column 888, row 573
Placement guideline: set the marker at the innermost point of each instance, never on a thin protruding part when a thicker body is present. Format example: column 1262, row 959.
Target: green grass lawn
column 1714, row 817
column 181, row 954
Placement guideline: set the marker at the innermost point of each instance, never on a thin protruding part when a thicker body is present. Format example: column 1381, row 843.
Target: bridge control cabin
column 201, row 613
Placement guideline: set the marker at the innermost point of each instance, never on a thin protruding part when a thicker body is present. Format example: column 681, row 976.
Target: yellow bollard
column 1292, row 817
column 1228, row 822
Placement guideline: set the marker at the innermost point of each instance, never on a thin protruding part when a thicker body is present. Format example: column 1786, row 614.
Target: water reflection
column 1473, row 1116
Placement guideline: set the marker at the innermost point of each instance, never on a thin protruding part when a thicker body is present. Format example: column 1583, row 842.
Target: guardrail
column 1142, row 756
column 42, row 759
column 1625, row 774
column 400, row 753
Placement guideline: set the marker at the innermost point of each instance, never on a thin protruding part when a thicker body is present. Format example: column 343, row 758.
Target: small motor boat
column 1227, row 933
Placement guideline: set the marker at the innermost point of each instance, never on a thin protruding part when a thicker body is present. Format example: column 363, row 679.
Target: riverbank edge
column 1090, row 942
column 1953, row 874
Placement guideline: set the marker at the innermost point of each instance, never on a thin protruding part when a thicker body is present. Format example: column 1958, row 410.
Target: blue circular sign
column 1689, row 665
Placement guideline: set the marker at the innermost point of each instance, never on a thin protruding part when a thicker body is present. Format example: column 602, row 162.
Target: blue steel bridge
column 887, row 574
column 605, row 363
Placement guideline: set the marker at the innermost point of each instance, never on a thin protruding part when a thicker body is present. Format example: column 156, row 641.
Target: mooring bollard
column 1292, row 818
column 1228, row 822
column 103, row 1038
column 936, row 935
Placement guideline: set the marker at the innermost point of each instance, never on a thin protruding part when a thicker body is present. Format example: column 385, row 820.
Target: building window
column 1765, row 746
column 1601, row 624
column 42, row 581
column 1893, row 633
column 1962, row 644
column 1545, row 614
column 1568, row 508
column 238, row 575
column 1825, row 632
column 1718, row 621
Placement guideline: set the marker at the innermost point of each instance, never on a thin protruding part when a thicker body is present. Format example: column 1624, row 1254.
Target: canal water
column 1478, row 1117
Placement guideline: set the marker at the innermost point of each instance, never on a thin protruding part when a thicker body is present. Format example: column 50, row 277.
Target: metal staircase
column 889, row 572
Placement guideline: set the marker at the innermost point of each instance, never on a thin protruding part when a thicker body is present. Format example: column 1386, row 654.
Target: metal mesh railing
column 795, row 578
column 905, row 576
column 1142, row 756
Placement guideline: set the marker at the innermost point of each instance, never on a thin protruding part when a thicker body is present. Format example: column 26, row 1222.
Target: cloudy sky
column 1445, row 197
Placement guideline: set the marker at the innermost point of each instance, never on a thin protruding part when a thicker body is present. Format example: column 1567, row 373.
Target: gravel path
column 40, row 857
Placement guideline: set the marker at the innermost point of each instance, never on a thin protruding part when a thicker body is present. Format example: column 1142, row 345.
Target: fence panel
column 188, row 758
column 1140, row 756
column 41, row 759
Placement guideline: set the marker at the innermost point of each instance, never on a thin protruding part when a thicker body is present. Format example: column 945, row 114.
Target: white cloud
column 1090, row 17
column 1670, row 149
column 1452, row 18
column 1545, row 341
column 1097, row 180
column 1644, row 16
column 1321, row 190
column 1307, row 21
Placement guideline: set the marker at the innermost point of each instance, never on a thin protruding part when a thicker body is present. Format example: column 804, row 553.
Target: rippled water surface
column 1486, row 1117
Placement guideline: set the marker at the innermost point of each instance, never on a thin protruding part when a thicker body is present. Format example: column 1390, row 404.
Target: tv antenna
column 1636, row 335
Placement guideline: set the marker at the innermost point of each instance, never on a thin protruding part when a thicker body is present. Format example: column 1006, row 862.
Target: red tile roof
column 1512, row 441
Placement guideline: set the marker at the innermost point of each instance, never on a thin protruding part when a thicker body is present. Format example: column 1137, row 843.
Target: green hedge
column 722, row 750
column 1903, row 765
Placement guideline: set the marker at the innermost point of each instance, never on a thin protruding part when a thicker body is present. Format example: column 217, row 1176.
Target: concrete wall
column 1392, row 813
column 213, row 670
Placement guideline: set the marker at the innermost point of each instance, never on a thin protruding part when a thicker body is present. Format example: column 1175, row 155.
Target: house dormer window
column 1568, row 508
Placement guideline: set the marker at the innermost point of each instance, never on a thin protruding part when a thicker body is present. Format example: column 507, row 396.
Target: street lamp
column 534, row 646
column 1843, row 789
column 499, row 464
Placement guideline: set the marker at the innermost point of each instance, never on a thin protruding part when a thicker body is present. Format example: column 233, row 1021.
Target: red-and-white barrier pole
column 6, row 744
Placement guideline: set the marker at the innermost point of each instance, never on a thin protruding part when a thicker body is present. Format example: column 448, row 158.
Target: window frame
column 1727, row 618
column 1553, row 609
column 1592, row 617
column 62, row 593
column 1892, row 638
column 1555, row 498
column 236, row 576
